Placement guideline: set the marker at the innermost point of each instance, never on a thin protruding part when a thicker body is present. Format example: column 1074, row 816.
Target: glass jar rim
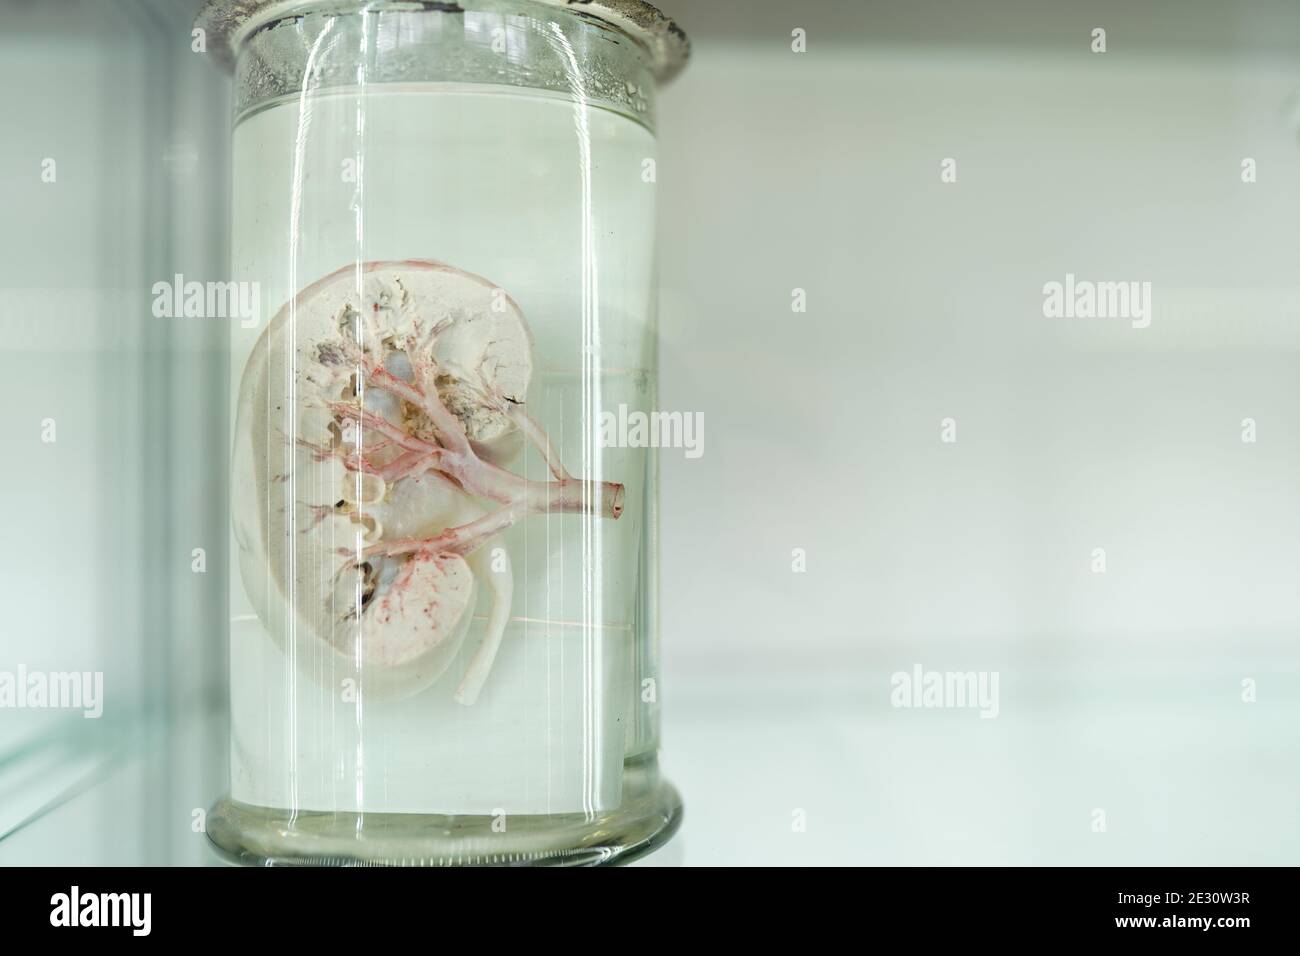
column 228, row 22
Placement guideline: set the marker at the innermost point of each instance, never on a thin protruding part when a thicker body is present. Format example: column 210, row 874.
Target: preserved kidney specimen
column 377, row 416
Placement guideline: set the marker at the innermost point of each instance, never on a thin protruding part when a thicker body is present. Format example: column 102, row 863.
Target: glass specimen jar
column 443, row 642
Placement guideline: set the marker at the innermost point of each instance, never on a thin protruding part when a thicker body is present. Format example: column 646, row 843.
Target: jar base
column 650, row 814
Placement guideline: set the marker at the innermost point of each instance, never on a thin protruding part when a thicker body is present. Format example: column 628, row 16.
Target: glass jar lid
column 227, row 22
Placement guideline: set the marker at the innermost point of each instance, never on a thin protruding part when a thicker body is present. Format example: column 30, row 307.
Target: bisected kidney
column 377, row 416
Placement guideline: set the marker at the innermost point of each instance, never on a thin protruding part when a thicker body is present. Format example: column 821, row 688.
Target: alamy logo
column 1085, row 299
column 103, row 909
column 945, row 689
column 61, row 690
column 637, row 429
column 208, row 300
